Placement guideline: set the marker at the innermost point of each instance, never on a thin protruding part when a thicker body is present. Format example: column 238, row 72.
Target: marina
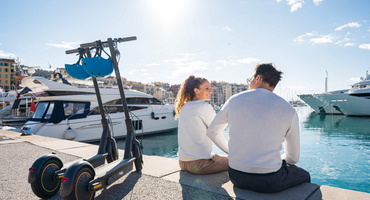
column 90, row 109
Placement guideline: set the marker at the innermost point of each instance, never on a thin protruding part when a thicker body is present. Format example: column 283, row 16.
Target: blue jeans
column 287, row 176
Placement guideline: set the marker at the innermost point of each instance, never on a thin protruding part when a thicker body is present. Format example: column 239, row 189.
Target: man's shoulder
column 241, row 94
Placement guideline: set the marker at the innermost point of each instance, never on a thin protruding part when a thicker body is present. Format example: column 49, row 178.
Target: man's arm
column 292, row 142
column 216, row 130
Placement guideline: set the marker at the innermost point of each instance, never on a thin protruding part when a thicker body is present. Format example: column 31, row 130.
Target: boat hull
column 90, row 129
column 348, row 104
column 319, row 106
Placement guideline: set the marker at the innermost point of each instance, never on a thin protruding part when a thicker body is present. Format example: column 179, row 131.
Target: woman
column 194, row 116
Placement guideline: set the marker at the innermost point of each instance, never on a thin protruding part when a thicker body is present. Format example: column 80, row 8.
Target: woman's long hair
column 186, row 92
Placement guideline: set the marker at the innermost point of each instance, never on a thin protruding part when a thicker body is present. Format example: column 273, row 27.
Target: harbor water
column 335, row 149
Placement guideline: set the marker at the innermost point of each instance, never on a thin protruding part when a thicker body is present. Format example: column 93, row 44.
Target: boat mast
column 326, row 82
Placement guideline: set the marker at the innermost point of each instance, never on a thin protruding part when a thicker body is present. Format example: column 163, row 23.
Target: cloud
column 228, row 28
column 189, row 68
column 314, row 38
column 186, row 54
column 343, row 41
column 152, row 64
column 139, row 71
column 295, row 5
column 225, row 62
column 66, row 45
column 7, row 55
column 364, row 46
column 247, row 60
column 323, row 39
column 349, row 44
column 302, row 38
column 349, row 25
column 317, row 2
column 176, row 60
column 237, row 61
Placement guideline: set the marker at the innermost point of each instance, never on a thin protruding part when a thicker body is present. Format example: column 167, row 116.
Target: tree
column 42, row 73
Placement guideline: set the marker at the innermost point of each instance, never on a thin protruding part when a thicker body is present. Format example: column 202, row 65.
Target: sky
column 216, row 39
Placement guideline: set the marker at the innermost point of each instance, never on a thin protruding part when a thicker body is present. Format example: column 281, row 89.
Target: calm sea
column 334, row 149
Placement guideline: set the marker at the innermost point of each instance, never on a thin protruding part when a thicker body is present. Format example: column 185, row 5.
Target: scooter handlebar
column 72, row 51
column 126, row 39
column 104, row 44
column 87, row 45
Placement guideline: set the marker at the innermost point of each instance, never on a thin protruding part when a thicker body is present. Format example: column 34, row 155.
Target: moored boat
column 77, row 117
column 351, row 102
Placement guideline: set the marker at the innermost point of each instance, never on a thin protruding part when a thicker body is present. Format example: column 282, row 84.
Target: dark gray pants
column 287, row 176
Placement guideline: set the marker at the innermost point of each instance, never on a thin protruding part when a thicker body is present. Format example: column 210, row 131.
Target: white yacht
column 356, row 102
column 76, row 116
column 351, row 102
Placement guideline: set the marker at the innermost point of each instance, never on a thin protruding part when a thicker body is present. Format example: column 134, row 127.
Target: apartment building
column 222, row 91
column 7, row 73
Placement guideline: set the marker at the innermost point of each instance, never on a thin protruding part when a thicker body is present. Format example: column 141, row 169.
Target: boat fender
column 152, row 114
column 69, row 134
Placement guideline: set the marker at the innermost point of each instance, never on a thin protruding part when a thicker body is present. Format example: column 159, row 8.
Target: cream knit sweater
column 259, row 122
column 193, row 121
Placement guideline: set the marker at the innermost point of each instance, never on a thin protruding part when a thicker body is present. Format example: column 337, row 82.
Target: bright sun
column 167, row 12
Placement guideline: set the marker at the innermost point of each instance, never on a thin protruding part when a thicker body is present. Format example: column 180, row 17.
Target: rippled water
column 334, row 149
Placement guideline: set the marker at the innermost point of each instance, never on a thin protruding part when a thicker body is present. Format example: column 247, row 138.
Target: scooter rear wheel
column 46, row 185
column 81, row 184
column 136, row 151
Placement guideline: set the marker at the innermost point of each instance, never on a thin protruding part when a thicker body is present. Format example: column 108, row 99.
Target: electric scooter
column 82, row 178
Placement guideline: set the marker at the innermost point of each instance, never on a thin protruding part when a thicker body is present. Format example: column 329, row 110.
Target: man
column 259, row 123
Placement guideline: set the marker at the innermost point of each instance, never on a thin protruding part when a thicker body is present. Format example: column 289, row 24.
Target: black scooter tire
column 80, row 186
column 46, row 186
column 136, row 151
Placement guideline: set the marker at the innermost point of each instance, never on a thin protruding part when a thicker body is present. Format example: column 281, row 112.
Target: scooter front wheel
column 46, row 185
column 81, row 185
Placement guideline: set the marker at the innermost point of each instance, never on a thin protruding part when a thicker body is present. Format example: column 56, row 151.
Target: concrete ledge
column 333, row 193
column 159, row 166
column 219, row 183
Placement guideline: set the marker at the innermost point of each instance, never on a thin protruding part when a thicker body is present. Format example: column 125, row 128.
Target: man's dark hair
column 269, row 73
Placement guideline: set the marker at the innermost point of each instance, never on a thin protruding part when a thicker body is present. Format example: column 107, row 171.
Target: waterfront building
column 7, row 74
column 222, row 91
column 164, row 95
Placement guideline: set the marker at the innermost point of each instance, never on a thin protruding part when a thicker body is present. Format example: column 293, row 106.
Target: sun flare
column 167, row 12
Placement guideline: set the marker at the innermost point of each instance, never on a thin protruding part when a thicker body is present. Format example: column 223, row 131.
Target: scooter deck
column 111, row 172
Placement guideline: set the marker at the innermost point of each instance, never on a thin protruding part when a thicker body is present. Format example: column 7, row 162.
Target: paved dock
column 161, row 178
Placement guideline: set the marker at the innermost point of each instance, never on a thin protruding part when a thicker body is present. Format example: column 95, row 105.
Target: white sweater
column 193, row 121
column 259, row 122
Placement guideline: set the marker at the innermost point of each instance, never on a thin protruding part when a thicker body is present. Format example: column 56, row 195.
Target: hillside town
column 12, row 73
